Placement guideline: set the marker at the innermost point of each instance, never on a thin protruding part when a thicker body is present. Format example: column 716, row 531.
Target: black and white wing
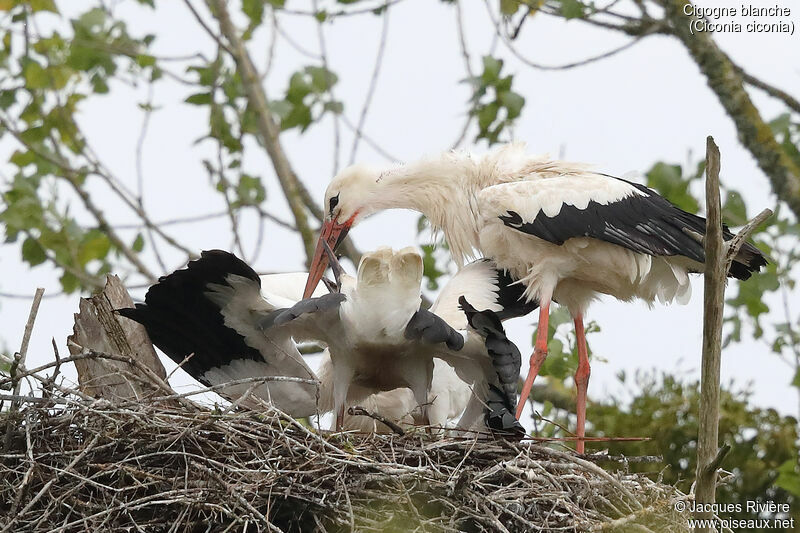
column 212, row 310
column 500, row 394
column 486, row 287
column 614, row 210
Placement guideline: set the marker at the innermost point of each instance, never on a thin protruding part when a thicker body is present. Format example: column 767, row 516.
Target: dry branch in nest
column 92, row 466
column 144, row 458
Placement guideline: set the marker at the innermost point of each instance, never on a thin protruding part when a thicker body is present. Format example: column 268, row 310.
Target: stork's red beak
column 332, row 233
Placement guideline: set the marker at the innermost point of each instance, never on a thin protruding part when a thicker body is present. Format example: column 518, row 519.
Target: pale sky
column 646, row 104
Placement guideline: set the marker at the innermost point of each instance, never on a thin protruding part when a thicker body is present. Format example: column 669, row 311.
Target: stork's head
column 349, row 198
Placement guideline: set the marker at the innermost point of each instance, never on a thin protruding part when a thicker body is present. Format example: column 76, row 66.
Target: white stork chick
column 365, row 328
column 447, row 396
column 566, row 232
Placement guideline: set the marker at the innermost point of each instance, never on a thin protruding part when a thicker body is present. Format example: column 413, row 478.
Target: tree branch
column 267, row 128
column 771, row 90
column 725, row 80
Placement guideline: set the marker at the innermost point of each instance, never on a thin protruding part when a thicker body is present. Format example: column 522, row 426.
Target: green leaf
column 99, row 84
column 322, row 79
column 250, row 190
column 282, row 108
column 487, row 115
column 789, row 477
column 429, row 268
column 22, row 159
column 199, row 99
column 254, row 9
column 43, row 5
column 145, row 60
column 69, row 283
column 32, row 252
column 571, row 9
column 513, row 103
column 491, row 69
column 7, row 98
column 509, row 7
column 796, row 380
column 334, row 106
column 734, row 212
column 669, row 181
column 95, row 246
column 35, row 76
column 299, row 116
column 138, row 243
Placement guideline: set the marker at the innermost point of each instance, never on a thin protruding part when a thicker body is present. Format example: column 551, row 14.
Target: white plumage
column 223, row 323
column 565, row 232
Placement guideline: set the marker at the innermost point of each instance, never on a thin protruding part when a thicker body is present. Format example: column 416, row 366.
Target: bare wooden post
column 713, row 295
column 97, row 327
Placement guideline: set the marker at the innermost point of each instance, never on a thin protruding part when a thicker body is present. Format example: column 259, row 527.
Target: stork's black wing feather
column 181, row 320
column 645, row 223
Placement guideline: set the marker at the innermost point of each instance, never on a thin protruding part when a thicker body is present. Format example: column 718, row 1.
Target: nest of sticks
column 71, row 464
column 124, row 452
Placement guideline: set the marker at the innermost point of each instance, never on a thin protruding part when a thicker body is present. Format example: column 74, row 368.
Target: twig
column 360, row 411
column 712, row 468
column 790, row 101
column 26, row 339
column 734, row 245
column 373, row 83
column 206, row 27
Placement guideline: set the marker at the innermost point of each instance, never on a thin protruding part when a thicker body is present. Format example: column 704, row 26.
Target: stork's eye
column 333, row 203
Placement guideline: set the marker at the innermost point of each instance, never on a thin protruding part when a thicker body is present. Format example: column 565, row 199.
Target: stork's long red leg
column 581, row 381
column 340, row 418
column 538, row 356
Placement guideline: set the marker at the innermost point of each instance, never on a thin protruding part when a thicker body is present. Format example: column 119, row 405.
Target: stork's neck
column 444, row 189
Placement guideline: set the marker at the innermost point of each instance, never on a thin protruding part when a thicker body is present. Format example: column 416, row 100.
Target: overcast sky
column 646, row 104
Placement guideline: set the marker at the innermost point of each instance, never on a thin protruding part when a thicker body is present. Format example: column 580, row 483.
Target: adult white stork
column 566, row 232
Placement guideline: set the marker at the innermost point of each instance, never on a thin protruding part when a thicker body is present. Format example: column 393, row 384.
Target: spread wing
column 205, row 317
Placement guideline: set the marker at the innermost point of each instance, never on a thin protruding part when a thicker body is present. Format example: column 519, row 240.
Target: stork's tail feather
column 181, row 320
column 749, row 259
column 506, row 361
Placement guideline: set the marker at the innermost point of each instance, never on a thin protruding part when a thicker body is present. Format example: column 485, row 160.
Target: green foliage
column 430, row 269
column 249, row 191
column 670, row 182
column 562, row 347
column 46, row 82
column 764, row 445
column 308, row 98
column 572, row 9
column 779, row 238
column 493, row 102
column 787, row 132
